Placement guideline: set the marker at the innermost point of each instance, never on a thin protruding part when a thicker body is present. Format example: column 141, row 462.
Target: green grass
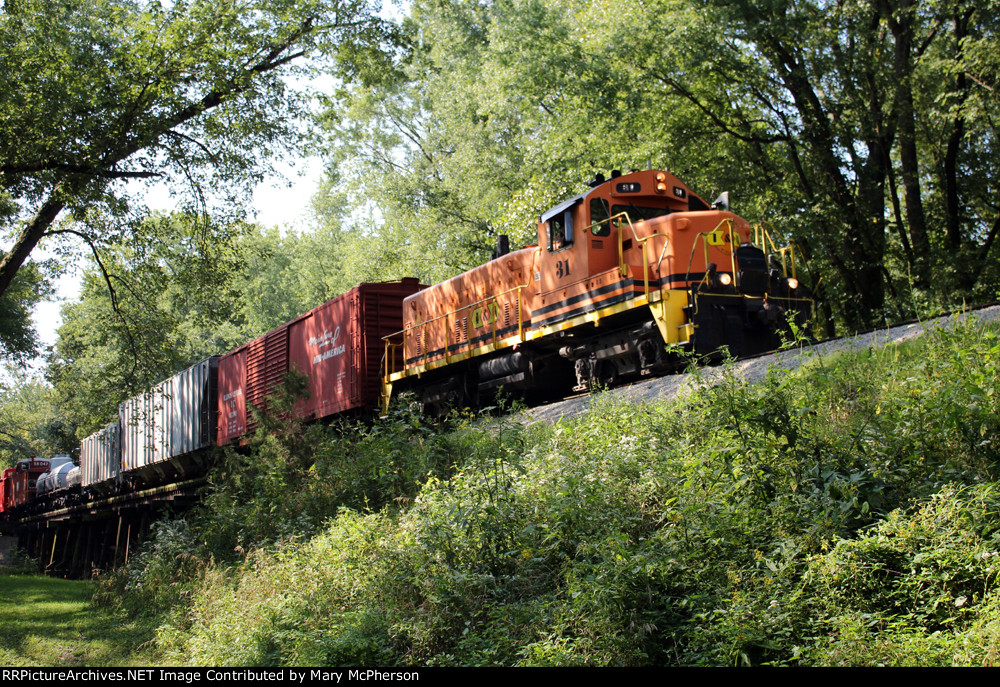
column 47, row 621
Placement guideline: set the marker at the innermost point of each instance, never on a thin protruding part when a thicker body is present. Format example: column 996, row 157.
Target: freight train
column 624, row 278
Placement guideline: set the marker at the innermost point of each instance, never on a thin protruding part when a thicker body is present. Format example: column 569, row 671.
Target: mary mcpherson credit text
column 208, row 675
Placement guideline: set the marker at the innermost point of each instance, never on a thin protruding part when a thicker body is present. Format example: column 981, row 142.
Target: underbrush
column 842, row 515
column 283, row 487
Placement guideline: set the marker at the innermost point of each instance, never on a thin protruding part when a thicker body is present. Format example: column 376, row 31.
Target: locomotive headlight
column 715, row 278
column 793, row 283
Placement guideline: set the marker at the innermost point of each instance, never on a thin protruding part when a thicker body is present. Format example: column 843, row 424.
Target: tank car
column 57, row 475
column 635, row 265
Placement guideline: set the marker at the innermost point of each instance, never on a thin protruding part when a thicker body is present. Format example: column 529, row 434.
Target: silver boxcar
column 163, row 428
column 101, row 458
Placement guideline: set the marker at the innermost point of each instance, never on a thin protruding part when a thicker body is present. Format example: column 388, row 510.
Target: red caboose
column 7, row 490
column 19, row 482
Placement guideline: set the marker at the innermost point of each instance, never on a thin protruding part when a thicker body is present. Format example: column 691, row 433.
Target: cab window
column 599, row 215
column 560, row 230
column 638, row 214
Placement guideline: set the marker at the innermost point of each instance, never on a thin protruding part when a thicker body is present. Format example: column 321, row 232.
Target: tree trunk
column 901, row 25
column 32, row 233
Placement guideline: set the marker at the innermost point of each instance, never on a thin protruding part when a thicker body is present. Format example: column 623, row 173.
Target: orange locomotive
column 633, row 265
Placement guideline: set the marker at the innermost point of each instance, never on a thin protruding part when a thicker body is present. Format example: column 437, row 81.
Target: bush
column 906, row 592
column 843, row 515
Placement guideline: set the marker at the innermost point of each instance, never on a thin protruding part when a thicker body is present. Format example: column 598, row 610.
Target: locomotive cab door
column 562, row 260
column 576, row 244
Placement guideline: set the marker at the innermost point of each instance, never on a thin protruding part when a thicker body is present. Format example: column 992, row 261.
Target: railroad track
column 754, row 368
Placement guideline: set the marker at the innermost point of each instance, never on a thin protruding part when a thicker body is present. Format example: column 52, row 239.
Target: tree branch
column 86, row 170
column 111, row 290
column 711, row 113
column 75, row 178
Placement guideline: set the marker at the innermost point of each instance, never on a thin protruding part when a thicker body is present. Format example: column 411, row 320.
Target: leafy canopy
column 194, row 93
column 18, row 338
column 861, row 130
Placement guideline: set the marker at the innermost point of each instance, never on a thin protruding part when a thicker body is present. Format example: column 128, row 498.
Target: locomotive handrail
column 422, row 326
column 404, row 332
column 622, row 265
column 732, row 257
column 732, row 248
column 702, row 235
column 761, row 230
column 762, row 237
column 390, row 347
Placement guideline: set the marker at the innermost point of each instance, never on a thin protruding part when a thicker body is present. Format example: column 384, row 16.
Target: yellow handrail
column 622, row 266
column 762, row 237
column 703, row 236
column 423, row 326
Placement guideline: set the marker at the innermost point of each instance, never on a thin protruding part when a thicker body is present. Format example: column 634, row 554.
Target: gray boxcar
column 101, row 458
column 164, row 428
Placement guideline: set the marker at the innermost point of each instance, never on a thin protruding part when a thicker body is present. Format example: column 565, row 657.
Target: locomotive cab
column 643, row 244
column 598, row 231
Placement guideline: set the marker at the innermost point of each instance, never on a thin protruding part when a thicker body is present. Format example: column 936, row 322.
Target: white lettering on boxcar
column 327, row 340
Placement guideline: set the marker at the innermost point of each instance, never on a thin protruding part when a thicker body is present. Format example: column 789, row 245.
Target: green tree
column 31, row 423
column 887, row 154
column 863, row 130
column 286, row 274
column 99, row 93
column 18, row 338
column 481, row 130
column 148, row 309
column 433, row 154
column 188, row 290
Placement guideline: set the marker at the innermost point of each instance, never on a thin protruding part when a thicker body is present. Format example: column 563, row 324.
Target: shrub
column 811, row 518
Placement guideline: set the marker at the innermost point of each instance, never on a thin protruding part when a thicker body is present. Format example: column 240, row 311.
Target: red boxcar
column 338, row 345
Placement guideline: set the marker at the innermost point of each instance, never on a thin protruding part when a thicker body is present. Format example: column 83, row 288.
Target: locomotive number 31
column 562, row 268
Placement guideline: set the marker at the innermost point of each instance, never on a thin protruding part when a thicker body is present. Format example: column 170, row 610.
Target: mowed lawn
column 47, row 621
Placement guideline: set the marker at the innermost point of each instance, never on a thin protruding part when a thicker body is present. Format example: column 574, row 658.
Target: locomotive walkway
column 753, row 369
